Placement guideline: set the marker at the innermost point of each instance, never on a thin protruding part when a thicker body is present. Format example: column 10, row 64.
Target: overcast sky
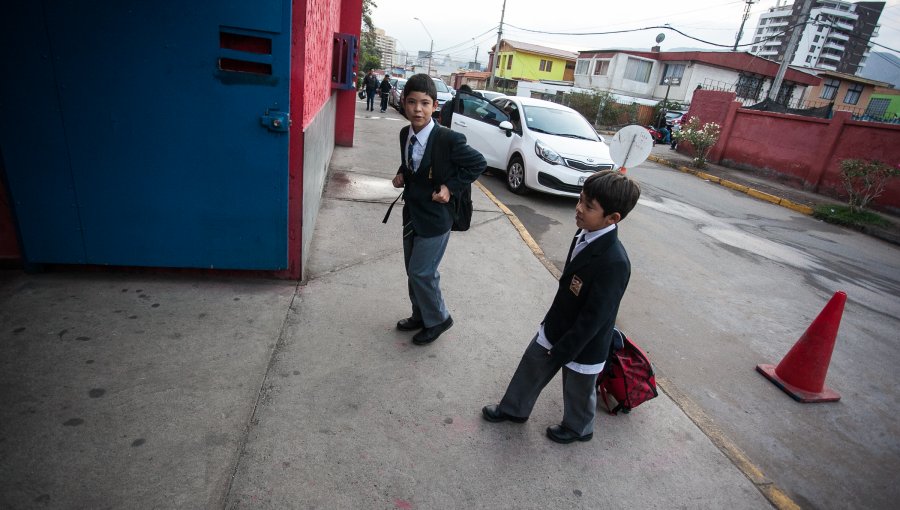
column 458, row 26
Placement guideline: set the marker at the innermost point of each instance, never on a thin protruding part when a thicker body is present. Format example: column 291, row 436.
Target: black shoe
column 563, row 435
column 409, row 324
column 428, row 335
column 493, row 414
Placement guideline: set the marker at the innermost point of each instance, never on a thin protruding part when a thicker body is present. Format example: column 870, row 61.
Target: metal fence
column 753, row 98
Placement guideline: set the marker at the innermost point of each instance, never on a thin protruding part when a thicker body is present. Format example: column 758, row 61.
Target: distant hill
column 882, row 66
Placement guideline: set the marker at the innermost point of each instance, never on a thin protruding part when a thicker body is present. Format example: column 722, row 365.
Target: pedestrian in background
column 577, row 332
column 453, row 105
column 436, row 166
column 384, row 89
column 371, row 85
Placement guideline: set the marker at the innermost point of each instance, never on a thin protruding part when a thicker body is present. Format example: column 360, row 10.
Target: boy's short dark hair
column 613, row 190
column 421, row 83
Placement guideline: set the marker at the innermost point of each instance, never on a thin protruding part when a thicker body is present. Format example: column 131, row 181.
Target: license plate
column 581, row 181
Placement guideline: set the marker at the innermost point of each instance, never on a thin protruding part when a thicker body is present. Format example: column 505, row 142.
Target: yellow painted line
column 784, row 202
column 764, row 196
column 766, row 487
column 769, row 490
column 523, row 232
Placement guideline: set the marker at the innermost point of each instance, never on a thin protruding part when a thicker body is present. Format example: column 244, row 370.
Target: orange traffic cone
column 801, row 374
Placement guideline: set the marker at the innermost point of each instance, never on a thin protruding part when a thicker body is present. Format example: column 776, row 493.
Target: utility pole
column 796, row 32
column 740, row 33
column 496, row 61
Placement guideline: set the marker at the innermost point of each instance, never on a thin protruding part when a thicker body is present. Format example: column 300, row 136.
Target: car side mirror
column 506, row 126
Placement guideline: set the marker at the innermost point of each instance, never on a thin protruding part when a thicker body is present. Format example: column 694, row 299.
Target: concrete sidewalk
column 136, row 391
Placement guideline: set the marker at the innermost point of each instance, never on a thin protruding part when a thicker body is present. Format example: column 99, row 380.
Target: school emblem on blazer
column 575, row 286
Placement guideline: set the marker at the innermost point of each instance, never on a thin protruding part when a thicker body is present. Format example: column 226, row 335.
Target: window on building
column 853, row 93
column 785, row 93
column 549, row 65
column 503, row 63
column 509, row 62
column 672, row 71
column 638, row 70
column 748, row 86
column 601, row 67
column 754, row 49
column 809, row 59
column 878, row 107
column 816, row 38
column 759, row 31
column 581, row 66
column 546, row 65
column 812, row 49
column 829, row 88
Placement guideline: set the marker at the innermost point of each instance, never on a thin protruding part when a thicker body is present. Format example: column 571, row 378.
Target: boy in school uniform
column 436, row 165
column 576, row 333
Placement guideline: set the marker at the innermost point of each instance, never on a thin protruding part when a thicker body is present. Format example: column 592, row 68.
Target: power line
column 658, row 27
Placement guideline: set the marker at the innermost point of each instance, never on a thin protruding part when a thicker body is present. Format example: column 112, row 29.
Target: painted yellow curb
column 523, row 232
column 784, row 202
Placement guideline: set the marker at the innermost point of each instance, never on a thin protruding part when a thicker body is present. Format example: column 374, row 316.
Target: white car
column 542, row 145
column 490, row 95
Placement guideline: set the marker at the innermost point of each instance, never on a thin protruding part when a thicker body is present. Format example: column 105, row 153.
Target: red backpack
column 627, row 379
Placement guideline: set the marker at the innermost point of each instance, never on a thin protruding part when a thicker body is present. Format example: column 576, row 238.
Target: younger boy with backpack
column 576, row 334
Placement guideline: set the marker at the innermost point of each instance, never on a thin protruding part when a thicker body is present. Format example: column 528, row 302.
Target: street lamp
column 431, row 49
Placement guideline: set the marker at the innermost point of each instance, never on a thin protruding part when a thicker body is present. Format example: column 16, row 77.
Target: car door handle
column 458, row 123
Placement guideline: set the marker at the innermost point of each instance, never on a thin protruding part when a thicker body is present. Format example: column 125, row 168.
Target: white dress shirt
column 419, row 147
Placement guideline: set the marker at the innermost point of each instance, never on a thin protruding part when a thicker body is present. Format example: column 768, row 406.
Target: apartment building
column 387, row 46
column 836, row 36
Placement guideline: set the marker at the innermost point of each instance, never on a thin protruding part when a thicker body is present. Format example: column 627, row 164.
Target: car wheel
column 515, row 176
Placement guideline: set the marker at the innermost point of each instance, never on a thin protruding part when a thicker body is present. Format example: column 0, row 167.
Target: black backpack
column 460, row 205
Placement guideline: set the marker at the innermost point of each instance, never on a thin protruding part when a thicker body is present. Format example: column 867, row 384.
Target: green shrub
column 865, row 180
column 845, row 215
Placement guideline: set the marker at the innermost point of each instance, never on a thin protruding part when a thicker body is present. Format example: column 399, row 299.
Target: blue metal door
column 149, row 133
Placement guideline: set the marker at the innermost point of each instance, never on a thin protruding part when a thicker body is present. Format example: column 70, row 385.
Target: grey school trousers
column 423, row 256
column 535, row 370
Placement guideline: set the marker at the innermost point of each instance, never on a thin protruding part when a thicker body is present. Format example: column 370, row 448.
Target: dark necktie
column 409, row 154
column 582, row 242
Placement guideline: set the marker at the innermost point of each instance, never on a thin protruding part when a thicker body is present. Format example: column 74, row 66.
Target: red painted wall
column 805, row 150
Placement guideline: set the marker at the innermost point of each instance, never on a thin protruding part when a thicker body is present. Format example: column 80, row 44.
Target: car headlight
column 546, row 153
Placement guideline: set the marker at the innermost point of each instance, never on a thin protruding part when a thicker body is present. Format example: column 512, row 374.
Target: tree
column 865, row 180
column 369, row 54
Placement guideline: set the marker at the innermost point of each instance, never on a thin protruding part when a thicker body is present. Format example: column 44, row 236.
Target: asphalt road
column 722, row 282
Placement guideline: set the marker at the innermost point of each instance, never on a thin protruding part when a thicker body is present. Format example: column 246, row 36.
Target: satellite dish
column 660, row 38
column 630, row 146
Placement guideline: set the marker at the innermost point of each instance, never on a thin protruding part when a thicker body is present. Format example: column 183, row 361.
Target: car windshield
column 441, row 86
column 400, row 84
column 558, row 122
column 674, row 115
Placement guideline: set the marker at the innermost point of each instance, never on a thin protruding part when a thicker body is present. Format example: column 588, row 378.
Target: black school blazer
column 451, row 162
column 580, row 321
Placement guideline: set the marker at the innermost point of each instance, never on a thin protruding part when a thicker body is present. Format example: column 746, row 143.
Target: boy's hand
column 398, row 181
column 442, row 196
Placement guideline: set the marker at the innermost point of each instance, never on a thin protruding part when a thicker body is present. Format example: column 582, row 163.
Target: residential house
column 846, row 92
column 529, row 62
column 675, row 75
column 475, row 79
